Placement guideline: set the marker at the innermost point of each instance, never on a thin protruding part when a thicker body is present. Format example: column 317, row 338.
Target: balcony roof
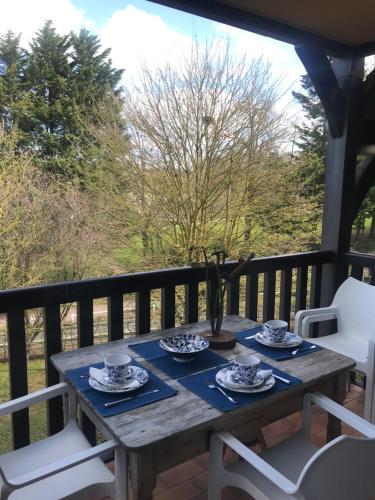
column 338, row 26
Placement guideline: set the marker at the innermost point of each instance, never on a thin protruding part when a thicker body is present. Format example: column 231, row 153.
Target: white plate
column 139, row 379
column 225, row 374
column 290, row 340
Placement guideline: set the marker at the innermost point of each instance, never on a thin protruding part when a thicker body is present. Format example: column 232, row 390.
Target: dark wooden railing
column 360, row 266
column 285, row 279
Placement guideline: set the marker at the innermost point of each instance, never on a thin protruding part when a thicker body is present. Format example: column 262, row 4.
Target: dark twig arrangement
column 216, row 282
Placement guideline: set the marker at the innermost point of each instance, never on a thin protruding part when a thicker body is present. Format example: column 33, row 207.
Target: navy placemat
column 198, row 385
column 178, row 369
column 175, row 369
column 274, row 352
column 148, row 350
column 97, row 398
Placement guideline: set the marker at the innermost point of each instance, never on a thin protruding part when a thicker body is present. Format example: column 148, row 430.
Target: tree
column 47, row 76
column 48, row 90
column 313, row 133
column 199, row 135
column 13, row 99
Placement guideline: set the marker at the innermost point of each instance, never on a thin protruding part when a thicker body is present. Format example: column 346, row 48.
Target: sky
column 140, row 31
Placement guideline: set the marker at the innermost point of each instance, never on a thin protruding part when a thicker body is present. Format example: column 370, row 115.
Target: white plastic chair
column 63, row 465
column 354, row 308
column 296, row 468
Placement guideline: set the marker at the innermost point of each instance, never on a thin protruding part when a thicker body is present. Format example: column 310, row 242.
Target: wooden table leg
column 334, row 424
column 142, row 474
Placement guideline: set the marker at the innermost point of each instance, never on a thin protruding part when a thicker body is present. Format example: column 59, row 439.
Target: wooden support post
column 341, row 173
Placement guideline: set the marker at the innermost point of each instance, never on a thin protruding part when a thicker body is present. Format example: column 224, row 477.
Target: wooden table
column 168, row 432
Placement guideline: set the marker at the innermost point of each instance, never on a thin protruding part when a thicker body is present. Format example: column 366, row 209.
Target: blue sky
column 138, row 31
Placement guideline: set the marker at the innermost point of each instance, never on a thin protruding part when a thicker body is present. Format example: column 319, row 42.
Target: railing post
column 115, row 316
column 53, row 345
column 191, row 302
column 168, row 307
column 142, row 312
column 85, row 328
column 18, row 374
column 251, row 304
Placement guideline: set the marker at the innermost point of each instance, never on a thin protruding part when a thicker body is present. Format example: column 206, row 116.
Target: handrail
column 72, row 291
column 360, row 259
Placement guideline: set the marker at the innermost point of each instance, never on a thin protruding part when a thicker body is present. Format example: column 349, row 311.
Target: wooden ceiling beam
column 326, row 85
column 222, row 13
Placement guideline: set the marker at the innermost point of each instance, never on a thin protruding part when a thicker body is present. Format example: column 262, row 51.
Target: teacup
column 245, row 369
column 117, row 367
column 275, row 330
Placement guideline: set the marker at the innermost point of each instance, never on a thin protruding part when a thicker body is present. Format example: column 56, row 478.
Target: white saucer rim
column 116, row 388
column 247, row 390
column 260, row 338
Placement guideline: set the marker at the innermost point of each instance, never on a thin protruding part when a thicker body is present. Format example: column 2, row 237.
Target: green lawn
column 37, row 412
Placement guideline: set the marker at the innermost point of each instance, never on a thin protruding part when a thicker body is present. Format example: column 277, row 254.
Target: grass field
column 37, row 412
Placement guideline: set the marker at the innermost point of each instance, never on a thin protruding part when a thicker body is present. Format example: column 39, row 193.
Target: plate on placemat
column 290, row 340
column 224, row 379
column 139, row 379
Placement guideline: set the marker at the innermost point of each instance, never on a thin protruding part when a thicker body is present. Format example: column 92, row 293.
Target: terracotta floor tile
column 203, row 459
column 355, row 406
column 183, row 491
column 202, row 496
column 201, row 480
column 181, row 473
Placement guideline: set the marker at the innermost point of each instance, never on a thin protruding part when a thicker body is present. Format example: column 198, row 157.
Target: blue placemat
column 198, row 385
column 97, row 398
column 175, row 369
column 178, row 369
column 148, row 350
column 274, row 352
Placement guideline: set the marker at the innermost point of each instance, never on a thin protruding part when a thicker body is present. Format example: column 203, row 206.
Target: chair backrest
column 341, row 470
column 356, row 303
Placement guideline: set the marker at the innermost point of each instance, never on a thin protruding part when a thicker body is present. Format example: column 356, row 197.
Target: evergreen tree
column 312, row 140
column 47, row 77
column 92, row 71
column 12, row 96
column 313, row 134
column 93, row 82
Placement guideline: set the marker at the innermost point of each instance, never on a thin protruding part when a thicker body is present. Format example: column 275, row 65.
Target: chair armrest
column 308, row 320
column 258, row 463
column 346, row 416
column 60, row 466
column 35, row 397
column 309, row 313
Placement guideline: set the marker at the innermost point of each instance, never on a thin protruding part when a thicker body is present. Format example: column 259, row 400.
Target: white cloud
column 280, row 55
column 28, row 16
column 137, row 37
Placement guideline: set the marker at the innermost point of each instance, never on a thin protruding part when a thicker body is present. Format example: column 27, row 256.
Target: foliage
column 199, row 136
column 48, row 89
column 313, row 133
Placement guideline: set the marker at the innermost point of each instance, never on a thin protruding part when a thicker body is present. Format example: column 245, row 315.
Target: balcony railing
column 272, row 286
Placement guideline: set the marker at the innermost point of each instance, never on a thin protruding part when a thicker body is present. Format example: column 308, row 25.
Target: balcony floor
column 188, row 481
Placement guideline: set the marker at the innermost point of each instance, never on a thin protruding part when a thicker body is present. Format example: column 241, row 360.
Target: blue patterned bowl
column 185, row 346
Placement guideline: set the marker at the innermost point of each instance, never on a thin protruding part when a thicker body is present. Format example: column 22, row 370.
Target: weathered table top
column 186, row 413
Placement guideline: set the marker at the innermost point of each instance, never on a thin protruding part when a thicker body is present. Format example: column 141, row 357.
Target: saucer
column 290, row 340
column 138, row 379
column 224, row 379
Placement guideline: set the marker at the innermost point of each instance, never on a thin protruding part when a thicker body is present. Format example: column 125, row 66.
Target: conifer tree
column 11, row 89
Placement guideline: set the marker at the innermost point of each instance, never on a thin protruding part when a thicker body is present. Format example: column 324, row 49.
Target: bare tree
column 200, row 134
